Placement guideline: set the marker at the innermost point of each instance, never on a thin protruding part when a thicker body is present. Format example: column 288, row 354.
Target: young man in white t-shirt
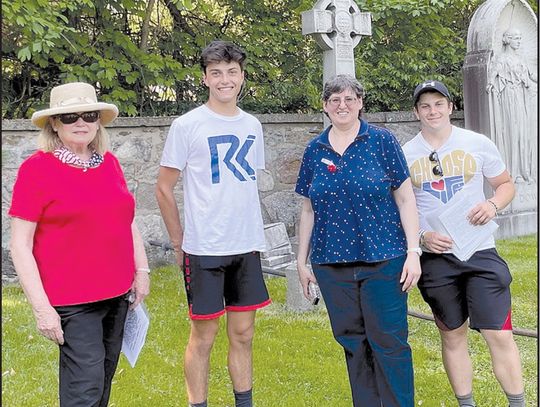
column 217, row 148
column 443, row 160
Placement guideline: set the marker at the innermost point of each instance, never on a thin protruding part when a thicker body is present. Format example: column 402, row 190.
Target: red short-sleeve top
column 83, row 244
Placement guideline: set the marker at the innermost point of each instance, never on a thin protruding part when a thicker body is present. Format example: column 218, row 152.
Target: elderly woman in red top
column 76, row 249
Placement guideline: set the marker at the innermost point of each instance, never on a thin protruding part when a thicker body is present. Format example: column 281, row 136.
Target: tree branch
column 145, row 29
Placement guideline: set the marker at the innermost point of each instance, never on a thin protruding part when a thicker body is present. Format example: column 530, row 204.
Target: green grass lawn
column 297, row 363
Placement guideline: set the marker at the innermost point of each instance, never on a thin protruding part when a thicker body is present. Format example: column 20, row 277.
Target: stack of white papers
column 452, row 221
column 135, row 329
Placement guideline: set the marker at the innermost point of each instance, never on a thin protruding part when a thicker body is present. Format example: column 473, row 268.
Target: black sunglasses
column 434, row 158
column 70, row 118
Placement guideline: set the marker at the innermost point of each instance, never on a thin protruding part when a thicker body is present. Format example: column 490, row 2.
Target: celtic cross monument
column 337, row 26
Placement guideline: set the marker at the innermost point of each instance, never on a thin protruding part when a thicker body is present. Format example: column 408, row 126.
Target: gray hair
column 339, row 83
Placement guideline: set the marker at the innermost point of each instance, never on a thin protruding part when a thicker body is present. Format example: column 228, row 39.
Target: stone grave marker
column 279, row 251
column 500, row 91
column 337, row 26
column 279, row 259
column 296, row 301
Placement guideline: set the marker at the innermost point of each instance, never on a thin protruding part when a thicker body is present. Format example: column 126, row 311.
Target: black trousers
column 88, row 358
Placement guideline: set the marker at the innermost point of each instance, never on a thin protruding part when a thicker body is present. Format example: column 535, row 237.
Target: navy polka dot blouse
column 356, row 217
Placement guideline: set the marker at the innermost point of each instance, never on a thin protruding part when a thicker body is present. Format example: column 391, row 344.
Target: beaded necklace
column 68, row 157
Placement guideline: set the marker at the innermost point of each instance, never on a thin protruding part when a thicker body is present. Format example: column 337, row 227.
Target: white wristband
column 416, row 250
column 143, row 269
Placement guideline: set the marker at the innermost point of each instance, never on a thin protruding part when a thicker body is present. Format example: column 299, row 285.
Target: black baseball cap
column 431, row 85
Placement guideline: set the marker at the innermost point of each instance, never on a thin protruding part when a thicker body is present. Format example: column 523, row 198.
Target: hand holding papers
column 135, row 329
column 452, row 221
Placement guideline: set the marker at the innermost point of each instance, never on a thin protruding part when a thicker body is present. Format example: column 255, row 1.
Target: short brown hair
column 218, row 51
column 340, row 83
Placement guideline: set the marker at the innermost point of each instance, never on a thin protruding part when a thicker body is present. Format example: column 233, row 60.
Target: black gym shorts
column 478, row 289
column 215, row 284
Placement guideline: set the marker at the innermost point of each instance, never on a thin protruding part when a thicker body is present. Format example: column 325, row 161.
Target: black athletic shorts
column 478, row 289
column 215, row 284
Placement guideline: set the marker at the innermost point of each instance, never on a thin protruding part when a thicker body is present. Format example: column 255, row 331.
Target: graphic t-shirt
column 218, row 156
column 466, row 158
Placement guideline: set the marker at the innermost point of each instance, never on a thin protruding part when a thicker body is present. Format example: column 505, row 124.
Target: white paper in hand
column 465, row 236
column 135, row 330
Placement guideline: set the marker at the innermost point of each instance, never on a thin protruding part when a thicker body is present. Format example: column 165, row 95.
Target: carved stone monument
column 296, row 301
column 278, row 259
column 279, row 252
column 500, row 90
column 337, row 26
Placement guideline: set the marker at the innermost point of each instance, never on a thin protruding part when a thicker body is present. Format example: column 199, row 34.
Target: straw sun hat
column 73, row 98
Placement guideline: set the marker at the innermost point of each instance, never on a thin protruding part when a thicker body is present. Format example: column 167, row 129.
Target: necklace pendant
column 85, row 169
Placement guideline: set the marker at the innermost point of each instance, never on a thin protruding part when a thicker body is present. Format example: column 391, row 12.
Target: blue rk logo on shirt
column 235, row 152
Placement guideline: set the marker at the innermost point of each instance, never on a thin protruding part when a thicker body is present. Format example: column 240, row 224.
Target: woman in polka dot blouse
column 360, row 221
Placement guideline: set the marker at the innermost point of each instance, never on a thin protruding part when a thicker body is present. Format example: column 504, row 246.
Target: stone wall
column 138, row 143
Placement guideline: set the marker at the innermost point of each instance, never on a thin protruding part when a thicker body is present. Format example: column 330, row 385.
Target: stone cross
column 338, row 27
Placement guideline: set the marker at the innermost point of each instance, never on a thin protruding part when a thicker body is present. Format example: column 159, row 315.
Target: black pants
column 88, row 358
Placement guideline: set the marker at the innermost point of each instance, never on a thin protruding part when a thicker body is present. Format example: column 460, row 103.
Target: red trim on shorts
column 440, row 324
column 240, row 308
column 205, row 317
column 507, row 326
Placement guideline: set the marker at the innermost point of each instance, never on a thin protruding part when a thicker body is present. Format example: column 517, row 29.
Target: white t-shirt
column 219, row 157
column 466, row 158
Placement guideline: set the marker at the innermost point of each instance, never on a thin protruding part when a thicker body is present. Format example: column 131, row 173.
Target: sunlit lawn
column 296, row 360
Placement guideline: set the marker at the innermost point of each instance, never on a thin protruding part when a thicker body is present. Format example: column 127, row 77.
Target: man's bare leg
column 240, row 330
column 197, row 358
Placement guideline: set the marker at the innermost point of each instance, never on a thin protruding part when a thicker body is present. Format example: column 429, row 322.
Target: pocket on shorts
column 214, row 263
column 497, row 265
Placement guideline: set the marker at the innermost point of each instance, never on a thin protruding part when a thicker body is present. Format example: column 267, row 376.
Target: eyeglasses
column 70, row 118
column 437, row 169
column 349, row 101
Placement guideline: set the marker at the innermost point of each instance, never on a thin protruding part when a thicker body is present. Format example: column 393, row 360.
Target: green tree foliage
column 278, row 66
column 143, row 55
column 413, row 40
column 51, row 42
